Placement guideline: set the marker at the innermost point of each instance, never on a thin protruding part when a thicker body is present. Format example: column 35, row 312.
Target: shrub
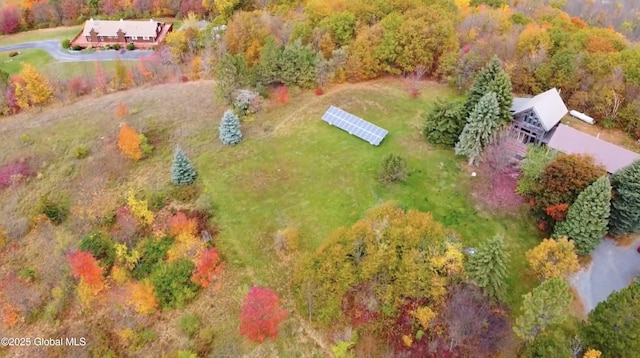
column 121, row 110
column 319, row 91
column 13, row 53
column 184, row 193
column 102, row 249
column 172, row 282
column 152, row 252
column 246, row 102
column 56, row 211
column 207, row 268
column 80, row 152
column 282, row 95
column 146, row 148
column 116, row 47
column 130, row 142
column 66, row 43
column 189, row 324
column 10, row 172
column 131, row 46
column 394, row 169
column 443, row 123
column 79, row 86
column 76, row 47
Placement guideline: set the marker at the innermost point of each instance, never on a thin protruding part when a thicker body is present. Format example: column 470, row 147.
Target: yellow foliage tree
column 424, row 315
column 127, row 258
column 226, row 7
column 129, row 142
column 592, row 353
column 178, row 45
column 142, row 298
column 32, row 89
column 553, row 258
column 88, row 292
column 139, row 209
column 119, row 274
column 195, row 70
column 122, row 76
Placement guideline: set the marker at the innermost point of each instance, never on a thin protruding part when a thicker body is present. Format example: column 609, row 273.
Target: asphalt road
column 56, row 51
column 612, row 269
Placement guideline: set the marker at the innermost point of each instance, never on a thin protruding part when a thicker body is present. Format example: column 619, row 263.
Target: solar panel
column 354, row 125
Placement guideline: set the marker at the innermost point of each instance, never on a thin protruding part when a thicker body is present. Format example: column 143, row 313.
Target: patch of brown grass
column 625, row 240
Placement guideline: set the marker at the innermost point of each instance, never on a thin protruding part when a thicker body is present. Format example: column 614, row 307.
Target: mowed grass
column 38, row 58
column 318, row 178
column 57, row 33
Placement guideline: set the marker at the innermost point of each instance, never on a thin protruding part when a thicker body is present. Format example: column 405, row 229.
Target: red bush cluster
column 13, row 171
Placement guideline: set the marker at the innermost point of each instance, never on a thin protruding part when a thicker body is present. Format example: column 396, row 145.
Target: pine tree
column 230, row 128
column 182, row 171
column 443, row 123
column 501, row 85
column 587, row 218
column 546, row 304
column 488, row 267
column 480, row 129
column 625, row 205
column 481, row 83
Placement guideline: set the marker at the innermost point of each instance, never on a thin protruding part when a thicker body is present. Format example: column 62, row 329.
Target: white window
column 145, row 38
column 134, row 37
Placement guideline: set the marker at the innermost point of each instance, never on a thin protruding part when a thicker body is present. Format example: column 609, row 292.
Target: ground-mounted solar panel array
column 354, row 125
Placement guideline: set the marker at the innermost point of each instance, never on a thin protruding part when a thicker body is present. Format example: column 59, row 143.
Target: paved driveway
column 611, row 269
column 56, row 51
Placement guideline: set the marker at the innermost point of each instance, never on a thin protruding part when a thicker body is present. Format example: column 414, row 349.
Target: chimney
column 150, row 20
column 91, row 19
column 121, row 20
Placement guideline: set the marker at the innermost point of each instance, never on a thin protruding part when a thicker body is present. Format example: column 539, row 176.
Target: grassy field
column 57, row 33
column 38, row 58
column 291, row 169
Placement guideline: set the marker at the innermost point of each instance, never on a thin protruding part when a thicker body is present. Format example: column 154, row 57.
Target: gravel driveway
column 56, row 51
column 612, row 269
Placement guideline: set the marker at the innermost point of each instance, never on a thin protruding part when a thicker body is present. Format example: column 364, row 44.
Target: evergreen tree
column 587, row 218
column 488, row 267
column 230, row 128
column 231, row 73
column 481, row 84
column 613, row 326
column 546, row 304
column 501, row 85
column 480, row 129
column 182, row 171
column 443, row 123
column 269, row 67
column 625, row 205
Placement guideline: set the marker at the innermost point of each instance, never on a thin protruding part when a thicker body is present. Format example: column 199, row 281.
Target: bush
column 184, row 193
column 102, row 249
column 319, row 91
column 394, row 169
column 131, row 46
column 76, row 47
column 80, row 152
column 152, row 252
column 54, row 210
column 79, row 86
column 172, row 283
column 66, row 43
column 247, row 102
column 116, row 47
column 189, row 324
column 10, row 172
column 147, row 148
column 13, row 53
column 443, row 123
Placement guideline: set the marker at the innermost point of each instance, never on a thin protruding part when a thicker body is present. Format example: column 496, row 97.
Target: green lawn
column 35, row 57
column 319, row 178
column 57, row 33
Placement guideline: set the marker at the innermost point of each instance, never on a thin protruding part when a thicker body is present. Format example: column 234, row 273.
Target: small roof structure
column 572, row 141
column 128, row 27
column 548, row 106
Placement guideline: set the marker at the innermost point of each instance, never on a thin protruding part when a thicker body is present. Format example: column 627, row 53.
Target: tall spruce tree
column 587, row 218
column 230, row 128
column 182, row 171
column 625, row 205
column 491, row 78
column 480, row 129
column 488, row 267
column 546, row 304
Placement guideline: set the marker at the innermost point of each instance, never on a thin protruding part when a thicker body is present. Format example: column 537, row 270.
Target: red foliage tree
column 9, row 19
column 207, row 268
column 261, row 314
column 71, row 9
column 557, row 212
column 282, row 95
column 79, row 86
column 85, row 267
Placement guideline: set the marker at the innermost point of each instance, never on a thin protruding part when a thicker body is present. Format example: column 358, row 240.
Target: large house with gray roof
column 537, row 120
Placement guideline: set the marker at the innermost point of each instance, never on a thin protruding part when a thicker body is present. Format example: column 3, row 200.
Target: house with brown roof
column 537, row 120
column 108, row 32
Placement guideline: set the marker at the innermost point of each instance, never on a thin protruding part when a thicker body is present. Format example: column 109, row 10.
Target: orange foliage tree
column 129, row 142
column 85, row 267
column 261, row 314
column 208, row 267
column 121, row 110
column 10, row 316
column 557, row 212
column 143, row 298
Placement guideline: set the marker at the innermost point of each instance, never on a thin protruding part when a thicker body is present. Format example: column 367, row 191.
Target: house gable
column 548, row 107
